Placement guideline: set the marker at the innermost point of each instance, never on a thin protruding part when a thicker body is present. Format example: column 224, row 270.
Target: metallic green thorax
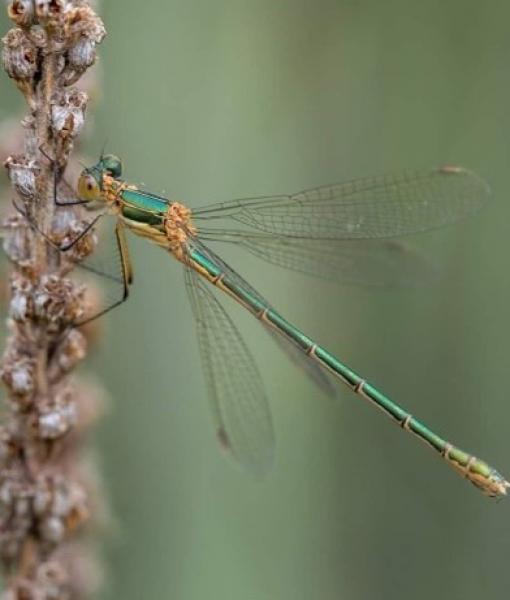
column 143, row 208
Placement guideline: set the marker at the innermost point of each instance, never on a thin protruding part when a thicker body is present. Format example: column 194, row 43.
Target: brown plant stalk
column 45, row 487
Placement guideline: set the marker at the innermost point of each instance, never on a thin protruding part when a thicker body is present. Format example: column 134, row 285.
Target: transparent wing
column 385, row 263
column 239, row 405
column 293, row 352
column 374, row 207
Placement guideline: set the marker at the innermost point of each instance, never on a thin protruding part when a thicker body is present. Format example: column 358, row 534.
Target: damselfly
column 318, row 231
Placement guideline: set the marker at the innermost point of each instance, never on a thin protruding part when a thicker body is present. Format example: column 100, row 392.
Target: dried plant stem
column 44, row 489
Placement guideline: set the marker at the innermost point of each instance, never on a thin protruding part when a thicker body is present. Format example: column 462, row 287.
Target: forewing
column 374, row 207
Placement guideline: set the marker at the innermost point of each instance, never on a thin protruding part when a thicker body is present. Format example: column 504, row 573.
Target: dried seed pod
column 19, row 375
column 57, row 415
column 67, row 228
column 21, row 307
column 71, row 351
column 21, row 12
column 82, row 54
column 22, row 172
column 49, row 9
column 39, row 37
column 58, row 498
column 19, row 55
column 52, row 530
column 15, row 513
column 82, row 21
column 86, row 30
column 16, row 243
column 68, row 112
column 58, row 302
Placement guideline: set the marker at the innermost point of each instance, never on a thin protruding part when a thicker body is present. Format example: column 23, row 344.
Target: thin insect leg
column 64, row 247
column 127, row 274
column 33, row 224
column 126, row 264
column 70, row 244
column 55, row 182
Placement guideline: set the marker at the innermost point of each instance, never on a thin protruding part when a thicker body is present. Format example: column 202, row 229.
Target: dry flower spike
column 44, row 497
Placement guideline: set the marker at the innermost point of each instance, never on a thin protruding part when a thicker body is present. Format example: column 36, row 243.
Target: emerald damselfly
column 319, row 231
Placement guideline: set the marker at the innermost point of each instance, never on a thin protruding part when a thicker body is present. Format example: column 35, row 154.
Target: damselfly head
column 91, row 181
column 90, row 184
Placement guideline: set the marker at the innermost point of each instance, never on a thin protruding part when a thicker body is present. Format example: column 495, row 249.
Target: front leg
column 56, row 174
column 69, row 244
column 125, row 278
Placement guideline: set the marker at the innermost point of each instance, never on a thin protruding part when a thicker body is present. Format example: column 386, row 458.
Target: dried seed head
column 19, row 55
column 22, row 172
column 85, row 245
column 68, row 113
column 21, row 306
column 39, row 37
column 71, row 351
column 67, row 228
column 21, row 12
column 52, row 530
column 57, row 415
column 56, row 423
column 58, row 302
column 82, row 21
column 85, row 30
column 48, row 9
column 91, row 404
column 22, row 378
column 15, row 513
column 16, row 243
column 14, row 495
column 82, row 54
column 57, row 499
column 18, row 374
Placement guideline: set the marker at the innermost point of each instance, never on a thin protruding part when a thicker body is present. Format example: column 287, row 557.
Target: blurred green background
column 207, row 101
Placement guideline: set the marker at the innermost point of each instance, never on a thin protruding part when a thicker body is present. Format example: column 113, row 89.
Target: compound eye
column 88, row 188
column 112, row 164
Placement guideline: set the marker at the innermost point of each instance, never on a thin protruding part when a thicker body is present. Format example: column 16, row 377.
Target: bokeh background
column 208, row 101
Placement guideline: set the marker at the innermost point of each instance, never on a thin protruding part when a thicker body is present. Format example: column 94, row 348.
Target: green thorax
column 143, row 207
